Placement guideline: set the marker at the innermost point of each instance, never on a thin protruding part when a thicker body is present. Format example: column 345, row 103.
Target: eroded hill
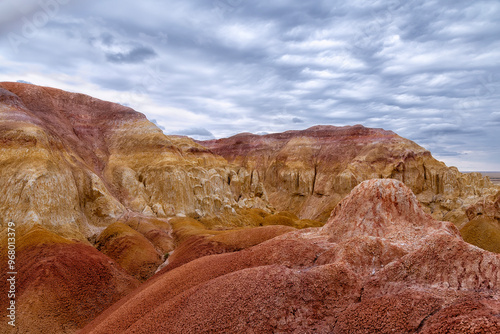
column 75, row 164
column 308, row 172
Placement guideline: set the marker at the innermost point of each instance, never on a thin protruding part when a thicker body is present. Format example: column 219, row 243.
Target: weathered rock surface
column 157, row 230
column 130, row 249
column 379, row 265
column 483, row 232
column 194, row 241
column 75, row 164
column 308, row 172
column 374, row 209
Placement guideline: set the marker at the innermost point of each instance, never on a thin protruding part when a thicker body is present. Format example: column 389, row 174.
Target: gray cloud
column 107, row 39
column 495, row 117
column 196, row 133
column 136, row 55
column 448, row 129
column 426, row 70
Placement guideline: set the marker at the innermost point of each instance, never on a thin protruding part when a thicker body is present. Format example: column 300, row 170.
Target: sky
column 427, row 70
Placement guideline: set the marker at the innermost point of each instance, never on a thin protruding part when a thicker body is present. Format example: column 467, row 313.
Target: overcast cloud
column 428, row 70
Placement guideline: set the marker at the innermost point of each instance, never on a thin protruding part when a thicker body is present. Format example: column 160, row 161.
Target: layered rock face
column 75, row 165
column 379, row 265
column 308, row 172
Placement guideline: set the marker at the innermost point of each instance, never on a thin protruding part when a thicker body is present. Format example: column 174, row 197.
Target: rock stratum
column 121, row 229
column 309, row 172
column 76, row 164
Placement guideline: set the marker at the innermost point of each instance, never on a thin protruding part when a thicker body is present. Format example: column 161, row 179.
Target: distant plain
column 494, row 176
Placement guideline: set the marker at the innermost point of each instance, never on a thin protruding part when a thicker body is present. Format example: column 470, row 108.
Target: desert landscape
column 108, row 225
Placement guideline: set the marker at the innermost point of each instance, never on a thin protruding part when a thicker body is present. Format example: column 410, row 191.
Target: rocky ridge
column 78, row 172
column 308, row 172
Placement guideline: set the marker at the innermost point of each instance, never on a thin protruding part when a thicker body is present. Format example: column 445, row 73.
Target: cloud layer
column 428, row 70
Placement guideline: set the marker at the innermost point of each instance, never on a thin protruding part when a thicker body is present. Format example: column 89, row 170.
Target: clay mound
column 483, row 232
column 465, row 316
column 483, row 228
column 414, row 311
column 244, row 217
column 328, row 280
column 397, row 313
column 300, row 301
column 383, row 208
column 364, row 254
column 163, row 288
column 248, row 237
column 191, row 249
column 62, row 284
column 157, row 230
column 442, row 261
column 130, row 249
column 185, row 227
column 198, row 246
column 289, row 219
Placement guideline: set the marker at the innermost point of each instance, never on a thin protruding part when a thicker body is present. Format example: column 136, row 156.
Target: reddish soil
column 396, row 270
column 61, row 284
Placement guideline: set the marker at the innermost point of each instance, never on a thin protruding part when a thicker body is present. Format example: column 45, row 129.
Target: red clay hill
column 90, row 186
column 60, row 284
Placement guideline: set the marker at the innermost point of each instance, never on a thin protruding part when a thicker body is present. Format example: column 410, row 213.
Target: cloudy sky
column 428, row 70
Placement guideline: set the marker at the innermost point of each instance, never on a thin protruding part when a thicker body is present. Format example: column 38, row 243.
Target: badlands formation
column 308, row 172
column 121, row 229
